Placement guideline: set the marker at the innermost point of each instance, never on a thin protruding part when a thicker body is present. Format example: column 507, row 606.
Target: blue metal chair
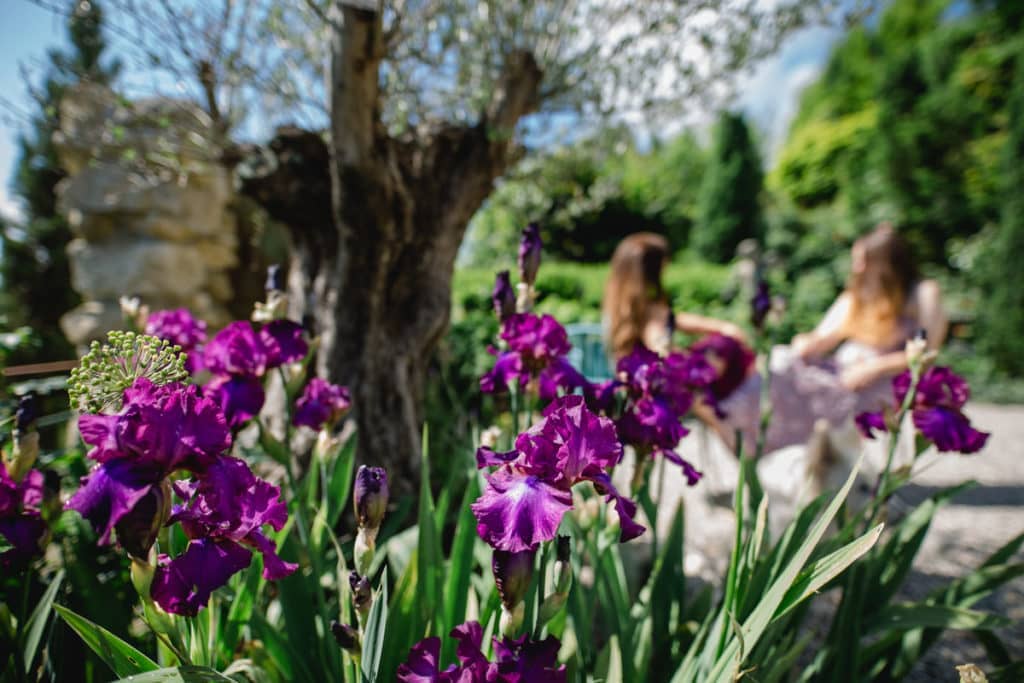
column 588, row 354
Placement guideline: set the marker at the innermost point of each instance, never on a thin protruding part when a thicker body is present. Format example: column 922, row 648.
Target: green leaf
column 911, row 616
column 339, row 480
column 376, row 631
column 460, row 568
column 242, row 604
column 121, row 657
column 429, row 554
column 727, row 663
column 182, row 674
column 37, row 621
column 820, row 572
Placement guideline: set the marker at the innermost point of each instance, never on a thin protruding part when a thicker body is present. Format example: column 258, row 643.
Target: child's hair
column 634, row 285
column 878, row 293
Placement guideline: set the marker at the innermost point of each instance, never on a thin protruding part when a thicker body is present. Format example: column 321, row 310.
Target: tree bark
column 374, row 252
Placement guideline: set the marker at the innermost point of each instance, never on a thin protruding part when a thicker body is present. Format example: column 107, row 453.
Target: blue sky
column 768, row 95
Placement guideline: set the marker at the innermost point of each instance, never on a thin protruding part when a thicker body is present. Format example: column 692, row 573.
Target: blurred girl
column 844, row 365
column 636, row 309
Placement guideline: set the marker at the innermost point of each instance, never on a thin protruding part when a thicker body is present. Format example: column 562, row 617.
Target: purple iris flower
column 503, row 296
column 239, row 356
column 529, row 254
column 517, row 661
column 223, row 513
column 537, row 346
column 730, row 358
column 937, row 411
column 657, row 395
column 760, row 304
column 321, row 403
column 530, row 491
column 20, row 522
column 179, row 327
column 159, row 430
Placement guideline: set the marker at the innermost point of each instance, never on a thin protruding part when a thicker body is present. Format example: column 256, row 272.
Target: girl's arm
column 930, row 317
column 829, row 332
column 691, row 323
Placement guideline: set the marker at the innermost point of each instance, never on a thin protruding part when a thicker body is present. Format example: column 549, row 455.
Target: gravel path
column 962, row 535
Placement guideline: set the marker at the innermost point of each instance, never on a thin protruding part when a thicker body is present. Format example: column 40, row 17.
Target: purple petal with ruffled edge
column 508, row 368
column 236, row 350
column 516, row 512
column 488, row 457
column 587, row 440
column 732, row 360
column 470, row 636
column 522, row 660
column 422, row 664
column 321, row 403
column 183, row 585
column 629, row 528
column 100, row 431
column 109, row 493
column 180, row 327
column 559, row 377
column 869, row 422
column 284, row 342
column 940, row 386
column 692, row 474
column 240, row 398
column 949, row 430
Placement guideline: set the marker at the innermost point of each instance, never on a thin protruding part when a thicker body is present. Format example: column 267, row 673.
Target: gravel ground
column 962, row 535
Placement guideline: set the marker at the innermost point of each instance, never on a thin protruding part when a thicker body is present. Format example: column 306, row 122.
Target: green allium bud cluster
column 99, row 381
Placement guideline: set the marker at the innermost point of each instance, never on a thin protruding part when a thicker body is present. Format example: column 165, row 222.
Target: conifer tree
column 728, row 207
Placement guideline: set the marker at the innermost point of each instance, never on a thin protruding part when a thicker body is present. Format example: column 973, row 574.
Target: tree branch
column 356, row 54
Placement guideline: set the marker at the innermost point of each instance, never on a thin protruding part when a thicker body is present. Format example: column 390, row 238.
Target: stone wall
column 149, row 207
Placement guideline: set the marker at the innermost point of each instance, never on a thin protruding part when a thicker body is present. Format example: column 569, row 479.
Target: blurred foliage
column 1002, row 315
column 588, row 196
column 33, row 263
column 729, row 205
column 907, row 121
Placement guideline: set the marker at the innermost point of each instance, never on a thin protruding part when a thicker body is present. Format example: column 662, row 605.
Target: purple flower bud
column 503, row 296
column 346, row 636
column 27, row 412
column 137, row 530
column 275, row 278
column 562, row 548
column 512, row 575
column 529, row 254
column 371, row 496
column 760, row 304
column 362, row 593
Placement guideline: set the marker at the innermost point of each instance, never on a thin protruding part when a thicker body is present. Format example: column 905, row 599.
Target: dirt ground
column 963, row 533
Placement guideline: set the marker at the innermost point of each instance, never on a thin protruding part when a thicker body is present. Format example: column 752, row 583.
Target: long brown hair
column 878, row 293
column 633, row 287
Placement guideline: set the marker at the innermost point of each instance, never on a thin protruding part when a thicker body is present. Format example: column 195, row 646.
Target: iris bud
column 503, row 296
column 529, row 254
column 346, row 636
column 362, row 593
column 137, row 531
column 512, row 575
column 370, row 496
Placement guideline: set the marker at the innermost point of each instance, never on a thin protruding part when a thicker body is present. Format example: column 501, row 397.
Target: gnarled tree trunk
column 374, row 252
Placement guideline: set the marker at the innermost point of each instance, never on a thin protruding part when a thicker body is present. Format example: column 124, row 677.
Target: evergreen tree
column 1001, row 331
column 728, row 207
column 33, row 266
